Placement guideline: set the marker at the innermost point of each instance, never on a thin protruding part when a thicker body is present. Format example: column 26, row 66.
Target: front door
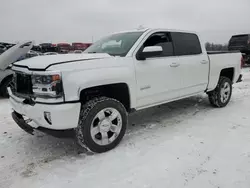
column 158, row 77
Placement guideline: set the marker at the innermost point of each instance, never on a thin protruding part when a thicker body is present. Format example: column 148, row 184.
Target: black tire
column 215, row 95
column 87, row 115
column 3, row 89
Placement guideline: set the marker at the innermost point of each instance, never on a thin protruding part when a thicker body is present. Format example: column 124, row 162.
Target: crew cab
column 92, row 93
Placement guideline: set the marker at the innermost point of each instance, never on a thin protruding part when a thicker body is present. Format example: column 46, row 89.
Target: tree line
column 216, row 47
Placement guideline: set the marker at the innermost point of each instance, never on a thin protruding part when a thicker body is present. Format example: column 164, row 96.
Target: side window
column 163, row 40
column 186, row 44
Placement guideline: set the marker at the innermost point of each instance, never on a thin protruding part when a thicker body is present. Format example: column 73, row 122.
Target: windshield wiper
column 92, row 52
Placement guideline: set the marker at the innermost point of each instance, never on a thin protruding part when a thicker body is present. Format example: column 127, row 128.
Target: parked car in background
column 246, row 59
column 5, row 46
column 80, row 46
column 48, row 47
column 32, row 53
column 63, row 47
column 121, row 73
column 2, row 48
column 8, row 57
column 242, row 44
column 36, row 48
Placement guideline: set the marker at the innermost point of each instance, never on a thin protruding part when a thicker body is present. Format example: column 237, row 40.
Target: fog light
column 47, row 117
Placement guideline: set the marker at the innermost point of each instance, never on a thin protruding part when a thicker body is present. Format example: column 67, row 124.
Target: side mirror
column 150, row 51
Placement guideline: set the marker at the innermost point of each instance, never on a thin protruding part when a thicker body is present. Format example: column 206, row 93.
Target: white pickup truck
column 92, row 93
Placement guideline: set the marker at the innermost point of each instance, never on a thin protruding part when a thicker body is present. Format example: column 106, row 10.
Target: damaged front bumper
column 18, row 118
column 48, row 118
column 239, row 79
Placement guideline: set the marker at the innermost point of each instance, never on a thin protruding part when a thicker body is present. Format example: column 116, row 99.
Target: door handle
column 204, row 62
column 174, row 65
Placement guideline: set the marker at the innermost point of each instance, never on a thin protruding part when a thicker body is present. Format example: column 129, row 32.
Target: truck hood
column 44, row 62
column 14, row 53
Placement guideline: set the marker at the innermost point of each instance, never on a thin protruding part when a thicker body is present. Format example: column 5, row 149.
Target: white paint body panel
column 156, row 81
column 219, row 62
column 151, row 82
column 44, row 61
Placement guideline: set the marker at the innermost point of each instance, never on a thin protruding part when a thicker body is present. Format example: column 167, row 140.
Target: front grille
column 22, row 84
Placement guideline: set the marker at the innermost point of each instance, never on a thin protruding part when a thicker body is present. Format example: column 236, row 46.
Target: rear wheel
column 221, row 96
column 102, row 124
column 3, row 89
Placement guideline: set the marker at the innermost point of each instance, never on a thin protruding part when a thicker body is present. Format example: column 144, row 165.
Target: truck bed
column 220, row 61
column 221, row 52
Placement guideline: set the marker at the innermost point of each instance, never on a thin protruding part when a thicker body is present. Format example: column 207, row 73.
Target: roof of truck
column 152, row 29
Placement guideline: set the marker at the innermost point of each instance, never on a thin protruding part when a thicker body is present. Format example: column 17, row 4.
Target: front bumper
column 18, row 118
column 239, row 79
column 63, row 116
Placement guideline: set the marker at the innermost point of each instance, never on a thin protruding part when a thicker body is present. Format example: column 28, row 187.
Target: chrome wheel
column 106, row 126
column 225, row 92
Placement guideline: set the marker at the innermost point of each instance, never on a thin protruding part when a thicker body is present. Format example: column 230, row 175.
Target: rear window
column 186, row 43
column 239, row 38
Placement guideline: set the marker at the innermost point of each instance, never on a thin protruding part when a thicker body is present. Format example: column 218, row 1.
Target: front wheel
column 221, row 96
column 102, row 124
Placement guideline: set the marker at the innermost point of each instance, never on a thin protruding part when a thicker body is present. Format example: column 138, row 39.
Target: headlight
column 47, row 86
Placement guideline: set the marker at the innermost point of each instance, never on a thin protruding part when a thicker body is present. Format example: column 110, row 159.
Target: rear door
column 194, row 63
column 14, row 53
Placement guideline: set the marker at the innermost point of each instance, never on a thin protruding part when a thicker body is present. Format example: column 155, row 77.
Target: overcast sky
column 79, row 20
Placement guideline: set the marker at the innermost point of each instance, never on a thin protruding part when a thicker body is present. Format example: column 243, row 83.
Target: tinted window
column 239, row 37
column 238, row 40
column 163, row 40
column 186, row 43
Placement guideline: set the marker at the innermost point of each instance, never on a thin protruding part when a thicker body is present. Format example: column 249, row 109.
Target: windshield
column 116, row 44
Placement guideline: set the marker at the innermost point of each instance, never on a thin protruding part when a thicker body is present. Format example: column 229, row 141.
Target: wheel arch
column 119, row 91
column 214, row 78
column 227, row 72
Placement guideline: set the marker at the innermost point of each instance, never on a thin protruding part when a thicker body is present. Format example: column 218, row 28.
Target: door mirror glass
column 150, row 51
